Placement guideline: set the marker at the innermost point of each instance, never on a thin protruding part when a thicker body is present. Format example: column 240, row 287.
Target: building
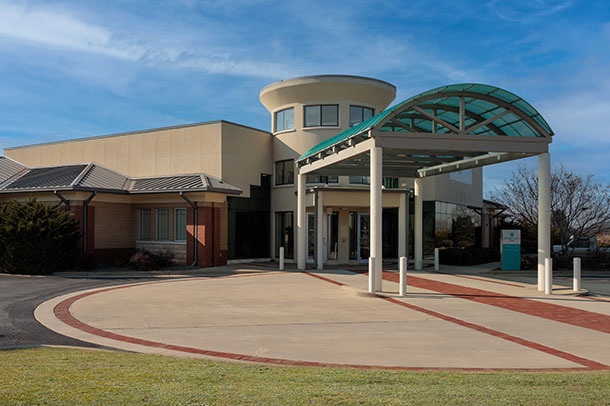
column 219, row 191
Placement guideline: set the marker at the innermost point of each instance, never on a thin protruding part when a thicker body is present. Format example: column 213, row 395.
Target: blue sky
column 83, row 68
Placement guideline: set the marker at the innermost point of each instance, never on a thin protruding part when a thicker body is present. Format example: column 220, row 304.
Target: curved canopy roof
column 465, row 109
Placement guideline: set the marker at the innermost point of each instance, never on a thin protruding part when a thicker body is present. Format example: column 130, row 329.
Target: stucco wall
column 175, row 150
column 246, row 154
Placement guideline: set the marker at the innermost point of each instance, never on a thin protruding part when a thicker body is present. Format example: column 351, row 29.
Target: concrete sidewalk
column 326, row 318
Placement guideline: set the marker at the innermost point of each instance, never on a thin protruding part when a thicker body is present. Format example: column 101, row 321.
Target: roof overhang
column 440, row 131
column 95, row 178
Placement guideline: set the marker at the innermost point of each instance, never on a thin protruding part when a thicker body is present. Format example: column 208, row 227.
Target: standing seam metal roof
column 56, row 177
column 90, row 177
column 9, row 168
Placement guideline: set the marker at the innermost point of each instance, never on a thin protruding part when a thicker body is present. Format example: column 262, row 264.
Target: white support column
column 376, row 207
column 544, row 214
column 301, row 223
column 576, row 279
column 402, row 226
column 320, row 231
column 372, row 275
column 418, row 225
column 548, row 276
column 484, row 228
column 402, row 267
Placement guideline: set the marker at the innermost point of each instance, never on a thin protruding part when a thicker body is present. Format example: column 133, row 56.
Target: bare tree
column 579, row 206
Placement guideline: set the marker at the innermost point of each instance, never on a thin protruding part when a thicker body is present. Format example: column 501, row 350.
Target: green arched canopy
column 470, row 110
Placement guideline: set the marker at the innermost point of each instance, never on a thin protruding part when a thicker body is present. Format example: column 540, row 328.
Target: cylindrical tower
column 304, row 112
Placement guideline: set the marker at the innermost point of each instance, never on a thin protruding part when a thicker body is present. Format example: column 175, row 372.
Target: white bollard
column 403, row 276
column 576, row 274
column 437, row 261
column 281, row 258
column 548, row 276
column 371, row 275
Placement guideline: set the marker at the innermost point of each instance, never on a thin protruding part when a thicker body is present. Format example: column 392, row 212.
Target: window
column 284, row 119
column 326, row 115
column 162, row 224
column 322, row 179
column 390, row 183
column 144, row 225
column 284, row 172
column 333, row 235
column 180, row 225
column 358, row 114
column 284, row 233
column 359, row 180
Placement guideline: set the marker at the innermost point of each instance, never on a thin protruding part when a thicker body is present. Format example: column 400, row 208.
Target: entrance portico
column 444, row 130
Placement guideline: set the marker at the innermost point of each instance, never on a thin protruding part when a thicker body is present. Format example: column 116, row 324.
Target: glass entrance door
column 311, row 237
column 364, row 237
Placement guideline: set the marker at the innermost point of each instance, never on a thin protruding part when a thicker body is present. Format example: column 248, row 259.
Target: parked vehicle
column 580, row 247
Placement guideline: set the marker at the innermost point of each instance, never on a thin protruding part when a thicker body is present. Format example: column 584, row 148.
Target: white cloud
column 526, row 11
column 51, row 28
column 57, row 29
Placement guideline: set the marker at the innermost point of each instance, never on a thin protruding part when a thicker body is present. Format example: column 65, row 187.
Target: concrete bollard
column 437, row 261
column 403, row 276
column 548, row 276
column 281, row 258
column 576, row 274
column 371, row 275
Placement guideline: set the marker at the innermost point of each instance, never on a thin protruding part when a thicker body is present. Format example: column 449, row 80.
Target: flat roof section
column 174, row 127
column 327, row 78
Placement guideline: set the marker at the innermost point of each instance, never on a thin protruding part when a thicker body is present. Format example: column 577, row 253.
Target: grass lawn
column 44, row 376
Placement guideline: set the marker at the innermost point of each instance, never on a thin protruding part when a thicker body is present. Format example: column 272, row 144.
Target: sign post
column 510, row 248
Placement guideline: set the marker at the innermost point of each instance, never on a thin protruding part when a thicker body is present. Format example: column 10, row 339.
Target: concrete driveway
column 321, row 319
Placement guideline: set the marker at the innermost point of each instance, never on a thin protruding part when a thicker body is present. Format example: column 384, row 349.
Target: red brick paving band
column 484, row 280
column 536, row 346
column 62, row 312
column 568, row 315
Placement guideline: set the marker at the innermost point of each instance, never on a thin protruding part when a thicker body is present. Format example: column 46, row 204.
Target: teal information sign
column 510, row 248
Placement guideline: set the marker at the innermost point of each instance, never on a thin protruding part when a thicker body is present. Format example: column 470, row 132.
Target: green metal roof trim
column 481, row 101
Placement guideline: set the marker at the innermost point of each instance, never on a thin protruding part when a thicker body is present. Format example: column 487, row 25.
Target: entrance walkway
column 327, row 319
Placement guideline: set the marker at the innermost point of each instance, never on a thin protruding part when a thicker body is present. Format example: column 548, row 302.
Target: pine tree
column 36, row 238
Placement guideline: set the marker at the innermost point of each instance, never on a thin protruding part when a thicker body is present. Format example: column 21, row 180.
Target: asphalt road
column 20, row 295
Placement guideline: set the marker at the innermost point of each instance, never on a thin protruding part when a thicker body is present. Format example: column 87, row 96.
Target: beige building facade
column 347, row 101
column 244, row 206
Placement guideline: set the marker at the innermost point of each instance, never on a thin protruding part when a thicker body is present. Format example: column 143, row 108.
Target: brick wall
column 115, row 226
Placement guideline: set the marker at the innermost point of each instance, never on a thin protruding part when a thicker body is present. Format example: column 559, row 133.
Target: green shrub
column 529, row 263
column 490, row 254
column 477, row 255
column 144, row 260
column 442, row 239
column 450, row 257
column 36, row 239
column 468, row 256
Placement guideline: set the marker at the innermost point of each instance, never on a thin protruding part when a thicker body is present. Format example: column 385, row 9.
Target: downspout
column 316, row 254
column 63, row 199
column 195, row 221
column 213, row 233
column 85, row 205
